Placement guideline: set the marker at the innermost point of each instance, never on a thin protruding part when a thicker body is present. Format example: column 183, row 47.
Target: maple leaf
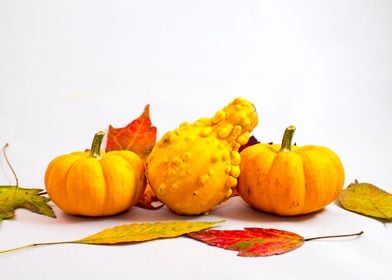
column 13, row 197
column 131, row 233
column 254, row 242
column 139, row 136
column 367, row 199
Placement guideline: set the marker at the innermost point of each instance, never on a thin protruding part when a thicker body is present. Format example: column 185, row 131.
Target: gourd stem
column 287, row 138
column 96, row 145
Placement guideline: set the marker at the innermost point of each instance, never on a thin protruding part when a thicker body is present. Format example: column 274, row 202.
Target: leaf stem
column 9, row 164
column 335, row 236
column 35, row 245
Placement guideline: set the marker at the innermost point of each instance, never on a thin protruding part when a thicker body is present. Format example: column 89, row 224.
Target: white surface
column 70, row 68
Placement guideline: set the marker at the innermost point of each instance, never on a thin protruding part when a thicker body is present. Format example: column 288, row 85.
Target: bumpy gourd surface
column 194, row 167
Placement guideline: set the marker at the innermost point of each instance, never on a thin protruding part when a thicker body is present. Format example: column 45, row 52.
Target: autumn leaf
column 148, row 200
column 144, row 232
column 13, row 197
column 367, row 199
column 251, row 141
column 132, row 233
column 255, row 242
column 252, row 242
column 139, row 136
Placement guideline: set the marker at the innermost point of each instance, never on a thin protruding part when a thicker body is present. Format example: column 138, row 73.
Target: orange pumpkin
column 95, row 183
column 289, row 180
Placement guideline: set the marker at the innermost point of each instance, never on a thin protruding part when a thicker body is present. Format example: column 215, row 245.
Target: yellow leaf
column 367, row 199
column 144, row 231
column 131, row 233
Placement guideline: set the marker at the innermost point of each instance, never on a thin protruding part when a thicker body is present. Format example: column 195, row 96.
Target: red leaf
column 251, row 242
column 252, row 141
column 149, row 200
column 138, row 136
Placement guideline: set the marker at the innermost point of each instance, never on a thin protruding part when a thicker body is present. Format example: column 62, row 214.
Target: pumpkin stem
column 287, row 138
column 96, row 145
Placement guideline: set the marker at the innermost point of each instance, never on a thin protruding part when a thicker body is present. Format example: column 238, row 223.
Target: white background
column 71, row 68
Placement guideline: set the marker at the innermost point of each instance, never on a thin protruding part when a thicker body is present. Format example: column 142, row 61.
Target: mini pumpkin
column 289, row 180
column 95, row 183
column 195, row 167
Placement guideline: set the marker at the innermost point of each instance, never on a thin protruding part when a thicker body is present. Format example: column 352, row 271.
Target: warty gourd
column 194, row 167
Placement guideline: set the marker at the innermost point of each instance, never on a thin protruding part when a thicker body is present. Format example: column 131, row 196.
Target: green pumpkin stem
column 287, row 138
column 95, row 151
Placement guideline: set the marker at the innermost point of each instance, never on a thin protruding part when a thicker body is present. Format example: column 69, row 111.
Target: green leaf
column 367, row 199
column 131, row 233
column 13, row 197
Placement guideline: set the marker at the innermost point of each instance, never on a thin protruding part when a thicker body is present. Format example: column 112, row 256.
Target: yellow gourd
column 194, row 167
column 289, row 180
column 95, row 183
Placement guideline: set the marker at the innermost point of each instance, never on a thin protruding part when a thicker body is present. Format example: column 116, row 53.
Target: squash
column 194, row 167
column 95, row 183
column 289, row 180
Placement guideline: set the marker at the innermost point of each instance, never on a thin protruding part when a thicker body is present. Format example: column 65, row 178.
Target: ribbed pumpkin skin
column 82, row 185
column 289, row 183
